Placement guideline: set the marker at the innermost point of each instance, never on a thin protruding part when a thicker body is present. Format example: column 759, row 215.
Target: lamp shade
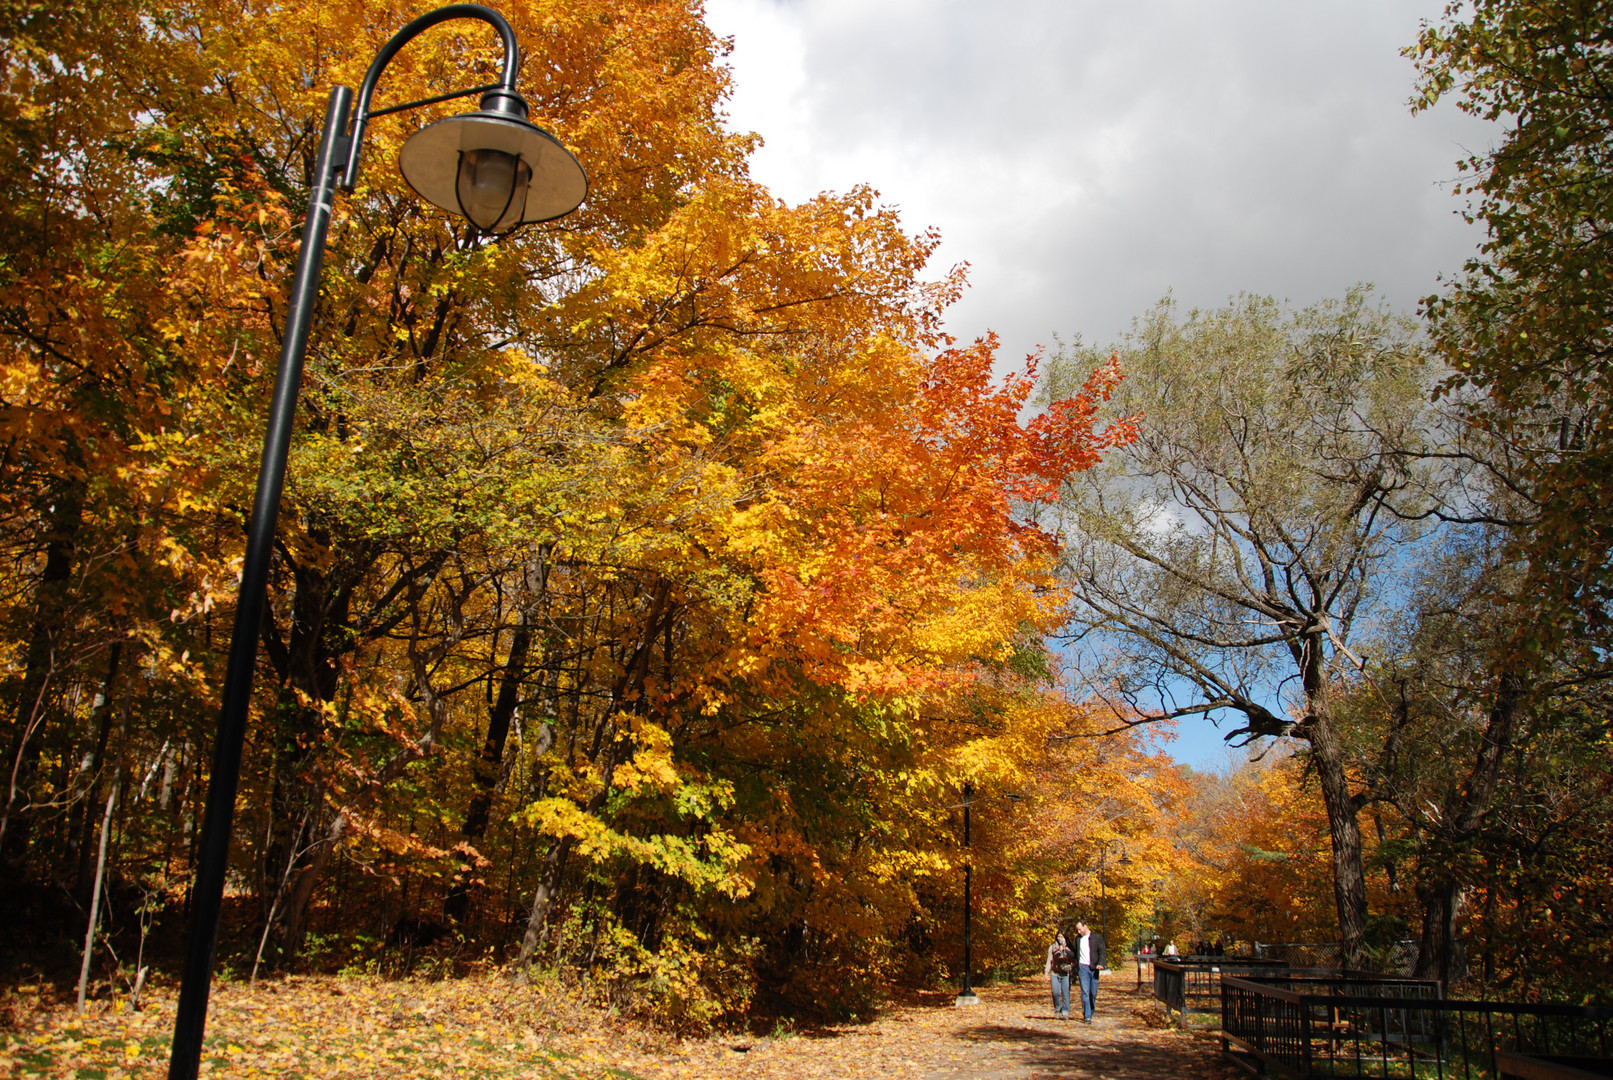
column 489, row 163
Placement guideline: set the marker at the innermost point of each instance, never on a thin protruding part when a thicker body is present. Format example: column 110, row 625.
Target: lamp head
column 493, row 167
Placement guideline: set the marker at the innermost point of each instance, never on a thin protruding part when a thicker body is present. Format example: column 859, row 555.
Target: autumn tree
column 1508, row 633
column 1255, row 840
column 80, row 371
column 1444, row 673
column 1225, row 562
column 1537, row 879
column 629, row 568
column 1526, row 323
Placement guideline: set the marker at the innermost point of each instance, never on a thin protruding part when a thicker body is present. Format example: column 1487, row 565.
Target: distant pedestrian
column 1058, row 969
column 1091, row 956
column 1170, row 950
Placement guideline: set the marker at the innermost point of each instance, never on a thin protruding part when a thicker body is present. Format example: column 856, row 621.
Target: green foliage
column 1529, row 323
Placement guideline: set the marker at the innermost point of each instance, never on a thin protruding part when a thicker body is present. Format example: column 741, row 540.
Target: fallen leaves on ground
column 487, row 1026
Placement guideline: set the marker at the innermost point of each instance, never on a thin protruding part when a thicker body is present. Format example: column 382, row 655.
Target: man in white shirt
column 1091, row 957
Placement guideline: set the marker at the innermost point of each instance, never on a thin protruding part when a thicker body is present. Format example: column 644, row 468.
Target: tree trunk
column 297, row 815
column 288, row 918
column 100, row 864
column 1344, row 826
column 93, row 766
column 41, row 660
column 308, row 676
column 489, row 764
column 95, row 897
column 308, row 660
column 1462, row 817
column 1437, row 946
column 553, row 863
column 626, row 693
column 296, row 807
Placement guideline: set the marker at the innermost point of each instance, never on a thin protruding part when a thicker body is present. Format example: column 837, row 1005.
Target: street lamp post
column 497, row 170
column 967, row 995
column 1153, row 888
column 1103, row 892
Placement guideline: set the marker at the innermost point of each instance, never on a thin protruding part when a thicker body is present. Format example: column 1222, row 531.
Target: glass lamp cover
column 492, row 188
column 496, row 170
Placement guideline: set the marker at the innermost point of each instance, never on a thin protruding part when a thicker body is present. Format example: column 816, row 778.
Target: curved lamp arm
column 499, row 97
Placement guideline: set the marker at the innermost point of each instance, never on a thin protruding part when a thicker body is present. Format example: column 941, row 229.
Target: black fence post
column 1305, row 1035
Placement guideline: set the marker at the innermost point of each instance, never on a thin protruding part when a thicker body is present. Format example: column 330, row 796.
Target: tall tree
column 1225, row 561
column 1525, row 330
column 1529, row 322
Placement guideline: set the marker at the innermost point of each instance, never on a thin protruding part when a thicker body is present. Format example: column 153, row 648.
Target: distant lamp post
column 1153, row 951
column 966, row 994
column 497, row 170
column 1103, row 892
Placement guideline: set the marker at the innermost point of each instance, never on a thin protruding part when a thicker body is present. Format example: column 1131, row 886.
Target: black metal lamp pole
column 967, row 994
column 1103, row 897
column 1103, row 892
column 507, row 172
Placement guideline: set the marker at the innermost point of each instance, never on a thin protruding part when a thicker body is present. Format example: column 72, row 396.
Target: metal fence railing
column 1391, row 1029
column 1191, row 985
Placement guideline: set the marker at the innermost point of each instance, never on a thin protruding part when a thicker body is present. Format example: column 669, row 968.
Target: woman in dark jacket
column 1058, row 969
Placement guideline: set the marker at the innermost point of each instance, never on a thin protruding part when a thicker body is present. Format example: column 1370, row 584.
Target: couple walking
column 1084, row 960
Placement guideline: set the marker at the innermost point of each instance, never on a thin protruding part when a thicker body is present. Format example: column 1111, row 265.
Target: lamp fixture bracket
column 497, row 97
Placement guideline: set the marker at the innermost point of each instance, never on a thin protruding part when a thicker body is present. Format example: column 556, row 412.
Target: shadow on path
column 1011, row 1035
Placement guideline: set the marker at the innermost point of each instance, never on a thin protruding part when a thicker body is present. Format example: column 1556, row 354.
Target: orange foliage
column 650, row 580
column 1256, row 859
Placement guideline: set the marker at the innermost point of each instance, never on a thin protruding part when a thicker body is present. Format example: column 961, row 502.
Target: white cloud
column 1085, row 157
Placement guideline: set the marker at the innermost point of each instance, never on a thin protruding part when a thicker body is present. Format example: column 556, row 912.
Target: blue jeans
column 1089, row 991
column 1061, row 994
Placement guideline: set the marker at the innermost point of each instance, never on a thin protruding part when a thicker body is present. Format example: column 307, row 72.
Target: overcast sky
column 1085, row 157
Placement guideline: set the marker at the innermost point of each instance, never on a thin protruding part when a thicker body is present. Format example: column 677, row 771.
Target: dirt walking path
column 1010, row 1036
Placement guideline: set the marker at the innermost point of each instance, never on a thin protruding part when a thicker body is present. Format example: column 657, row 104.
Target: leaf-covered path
column 488, row 1028
column 1010, row 1036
